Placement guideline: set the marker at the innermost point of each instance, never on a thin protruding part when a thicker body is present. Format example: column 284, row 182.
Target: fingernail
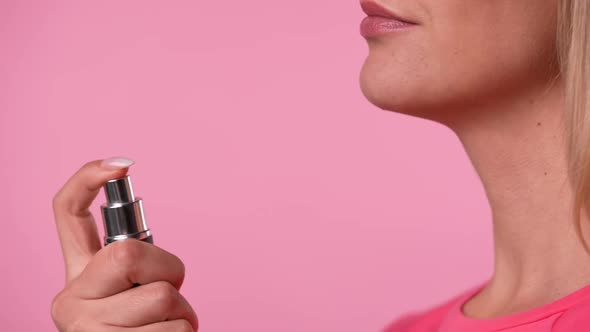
column 116, row 163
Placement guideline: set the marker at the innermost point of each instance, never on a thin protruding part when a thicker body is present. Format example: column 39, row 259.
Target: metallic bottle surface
column 123, row 214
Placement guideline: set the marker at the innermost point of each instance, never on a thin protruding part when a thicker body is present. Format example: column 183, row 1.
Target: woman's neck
column 518, row 150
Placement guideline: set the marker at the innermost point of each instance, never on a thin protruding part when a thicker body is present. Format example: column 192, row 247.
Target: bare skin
column 483, row 68
column 491, row 77
column 98, row 295
column 521, row 162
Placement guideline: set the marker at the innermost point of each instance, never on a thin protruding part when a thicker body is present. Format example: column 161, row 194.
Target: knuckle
column 196, row 320
column 57, row 307
column 81, row 325
column 125, row 255
column 184, row 326
column 62, row 315
column 58, row 200
column 77, row 326
column 181, row 269
column 165, row 296
column 89, row 163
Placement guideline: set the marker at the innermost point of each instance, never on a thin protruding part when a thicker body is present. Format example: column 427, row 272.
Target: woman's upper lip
column 372, row 8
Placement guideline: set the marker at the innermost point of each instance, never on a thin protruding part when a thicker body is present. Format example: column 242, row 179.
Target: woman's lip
column 372, row 8
column 372, row 26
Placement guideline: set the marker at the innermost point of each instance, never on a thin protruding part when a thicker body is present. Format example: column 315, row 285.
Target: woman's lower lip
column 377, row 25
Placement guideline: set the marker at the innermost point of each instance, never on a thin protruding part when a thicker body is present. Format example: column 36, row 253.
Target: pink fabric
column 570, row 313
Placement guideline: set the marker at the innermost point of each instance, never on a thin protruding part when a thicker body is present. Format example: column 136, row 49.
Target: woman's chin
column 388, row 95
column 406, row 94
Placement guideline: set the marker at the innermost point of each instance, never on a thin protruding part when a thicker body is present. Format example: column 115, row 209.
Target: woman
column 509, row 78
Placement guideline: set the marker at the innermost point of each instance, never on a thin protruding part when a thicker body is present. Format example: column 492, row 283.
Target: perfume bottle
column 122, row 214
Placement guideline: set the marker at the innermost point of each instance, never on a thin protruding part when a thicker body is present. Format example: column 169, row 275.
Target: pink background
column 295, row 203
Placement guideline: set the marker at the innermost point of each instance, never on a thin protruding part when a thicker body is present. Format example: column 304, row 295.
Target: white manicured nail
column 116, row 163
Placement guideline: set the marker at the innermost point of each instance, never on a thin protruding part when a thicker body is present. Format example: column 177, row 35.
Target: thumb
column 76, row 226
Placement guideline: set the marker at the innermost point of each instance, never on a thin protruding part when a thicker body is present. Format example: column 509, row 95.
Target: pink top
column 570, row 313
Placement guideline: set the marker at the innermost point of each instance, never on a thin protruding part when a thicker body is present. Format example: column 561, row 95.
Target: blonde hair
column 573, row 45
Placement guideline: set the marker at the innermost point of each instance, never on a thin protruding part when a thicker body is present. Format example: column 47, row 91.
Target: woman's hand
column 99, row 293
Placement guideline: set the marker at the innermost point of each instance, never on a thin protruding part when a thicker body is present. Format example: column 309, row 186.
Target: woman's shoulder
column 576, row 318
column 403, row 323
column 571, row 318
column 426, row 319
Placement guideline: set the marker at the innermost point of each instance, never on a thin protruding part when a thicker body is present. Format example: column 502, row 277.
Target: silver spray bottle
column 123, row 214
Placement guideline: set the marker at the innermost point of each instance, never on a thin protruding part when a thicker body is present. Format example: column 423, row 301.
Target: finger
column 179, row 325
column 75, row 224
column 150, row 303
column 118, row 266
